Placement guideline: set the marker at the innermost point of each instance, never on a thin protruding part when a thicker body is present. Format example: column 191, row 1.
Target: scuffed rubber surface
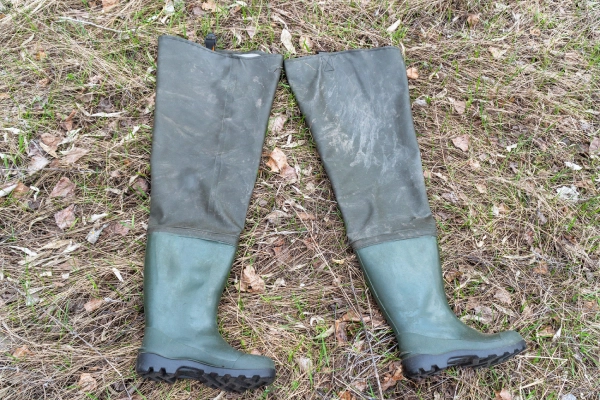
column 425, row 365
column 161, row 369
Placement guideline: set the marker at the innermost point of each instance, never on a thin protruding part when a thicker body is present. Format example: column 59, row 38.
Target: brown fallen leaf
column 535, row 32
column 118, row 228
column 209, row 6
column 473, row 19
column 306, row 216
column 412, row 73
column 87, row 383
column 108, row 4
column 346, row 395
column 41, row 55
column 37, row 163
column 67, row 124
column 496, row 52
column 50, row 143
column 481, row 188
column 73, row 155
column 461, row 142
column 459, row 106
column 276, row 217
column 340, row 331
column 594, row 146
column 277, row 123
column 351, row 316
column 305, row 44
column 503, row 295
column 286, row 39
column 503, row 394
column 251, row 282
column 547, row 331
column 542, row 268
column 64, row 188
column 140, row 185
column 396, row 370
column 93, row 305
column 474, row 164
column 65, row 218
column 20, row 191
column 278, row 163
column 21, row 352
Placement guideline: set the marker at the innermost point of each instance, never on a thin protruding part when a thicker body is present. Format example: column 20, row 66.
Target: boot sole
column 161, row 369
column 425, row 365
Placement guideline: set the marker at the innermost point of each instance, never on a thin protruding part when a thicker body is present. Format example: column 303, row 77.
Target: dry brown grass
column 541, row 95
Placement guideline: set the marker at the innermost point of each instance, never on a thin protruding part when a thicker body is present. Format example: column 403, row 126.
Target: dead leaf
column 594, row 146
column 305, row 44
column 141, row 185
column 473, row 19
column 87, row 383
column 474, row 164
column 394, row 26
column 37, row 163
column 118, row 228
column 412, row 73
column 340, row 332
column 20, row 191
column 67, row 124
column 40, row 55
column 71, row 156
column 547, row 331
column 503, row 395
column 535, row 32
column 93, row 305
column 95, row 233
column 43, row 82
column 209, row 6
column 108, row 4
column 286, row 39
column 503, row 295
column 346, row 395
column 49, row 143
column 276, row 217
column 461, row 142
column 65, row 218
column 278, row 163
column 497, row 210
column 459, row 106
column 305, row 364
column 481, row 188
column 64, row 188
column 590, row 306
column 396, row 369
column 277, row 123
column 496, row 52
column 542, row 268
column 251, row 282
column 306, row 216
column 387, row 383
column 21, row 352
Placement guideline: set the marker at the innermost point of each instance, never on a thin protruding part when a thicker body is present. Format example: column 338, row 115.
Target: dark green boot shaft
column 357, row 106
column 211, row 116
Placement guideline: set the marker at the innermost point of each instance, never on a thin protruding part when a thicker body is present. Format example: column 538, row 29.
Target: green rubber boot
column 211, row 116
column 357, row 106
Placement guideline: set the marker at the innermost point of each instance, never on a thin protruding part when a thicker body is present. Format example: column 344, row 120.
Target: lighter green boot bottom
column 405, row 278
column 184, row 278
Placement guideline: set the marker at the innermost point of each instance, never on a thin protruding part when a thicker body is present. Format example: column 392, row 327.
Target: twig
column 67, row 19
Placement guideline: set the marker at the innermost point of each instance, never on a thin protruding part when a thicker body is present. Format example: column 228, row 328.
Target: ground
column 506, row 105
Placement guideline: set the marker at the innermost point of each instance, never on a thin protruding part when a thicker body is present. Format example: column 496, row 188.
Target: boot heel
column 161, row 369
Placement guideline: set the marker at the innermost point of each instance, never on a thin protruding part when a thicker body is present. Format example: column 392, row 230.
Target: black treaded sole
column 161, row 369
column 426, row 365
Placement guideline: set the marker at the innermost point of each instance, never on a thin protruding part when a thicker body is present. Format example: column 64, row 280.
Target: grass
column 540, row 95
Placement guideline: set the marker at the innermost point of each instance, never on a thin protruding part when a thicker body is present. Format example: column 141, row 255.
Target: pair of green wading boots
column 212, row 110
